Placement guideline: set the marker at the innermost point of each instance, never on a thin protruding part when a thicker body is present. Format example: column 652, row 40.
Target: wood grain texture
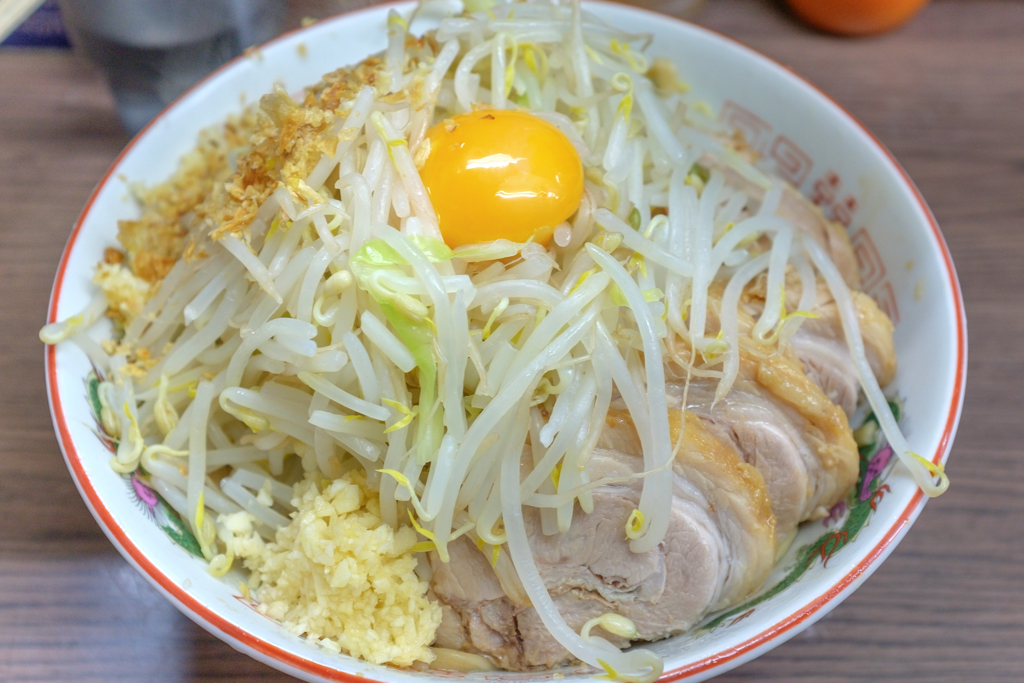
column 945, row 94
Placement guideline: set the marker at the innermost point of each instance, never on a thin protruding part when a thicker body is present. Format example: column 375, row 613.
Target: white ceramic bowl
column 803, row 135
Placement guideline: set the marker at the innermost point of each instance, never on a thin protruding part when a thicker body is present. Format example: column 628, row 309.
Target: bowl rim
column 773, row 635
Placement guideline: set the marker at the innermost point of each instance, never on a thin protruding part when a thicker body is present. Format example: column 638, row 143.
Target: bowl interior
column 801, row 134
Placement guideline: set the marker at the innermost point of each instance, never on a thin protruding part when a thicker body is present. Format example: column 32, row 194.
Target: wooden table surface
column 945, row 94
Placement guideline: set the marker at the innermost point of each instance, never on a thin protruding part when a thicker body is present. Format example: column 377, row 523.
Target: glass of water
column 152, row 51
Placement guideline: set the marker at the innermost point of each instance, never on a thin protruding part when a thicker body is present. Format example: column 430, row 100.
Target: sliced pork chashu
column 803, row 213
column 820, row 342
column 783, row 424
column 821, row 345
column 719, row 548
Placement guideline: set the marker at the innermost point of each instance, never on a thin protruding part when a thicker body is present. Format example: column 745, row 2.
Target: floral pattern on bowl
column 149, row 502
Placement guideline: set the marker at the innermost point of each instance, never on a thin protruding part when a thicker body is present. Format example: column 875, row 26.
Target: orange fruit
column 856, row 17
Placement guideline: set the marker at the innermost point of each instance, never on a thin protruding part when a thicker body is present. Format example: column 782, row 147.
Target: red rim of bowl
column 273, row 654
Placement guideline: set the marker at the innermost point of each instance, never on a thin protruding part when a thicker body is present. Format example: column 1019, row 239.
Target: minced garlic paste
column 340, row 576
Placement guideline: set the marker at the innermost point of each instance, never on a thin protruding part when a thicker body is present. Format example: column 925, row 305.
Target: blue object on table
column 43, row 28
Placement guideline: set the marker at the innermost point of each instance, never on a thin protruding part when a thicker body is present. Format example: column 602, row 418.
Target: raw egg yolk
column 496, row 173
